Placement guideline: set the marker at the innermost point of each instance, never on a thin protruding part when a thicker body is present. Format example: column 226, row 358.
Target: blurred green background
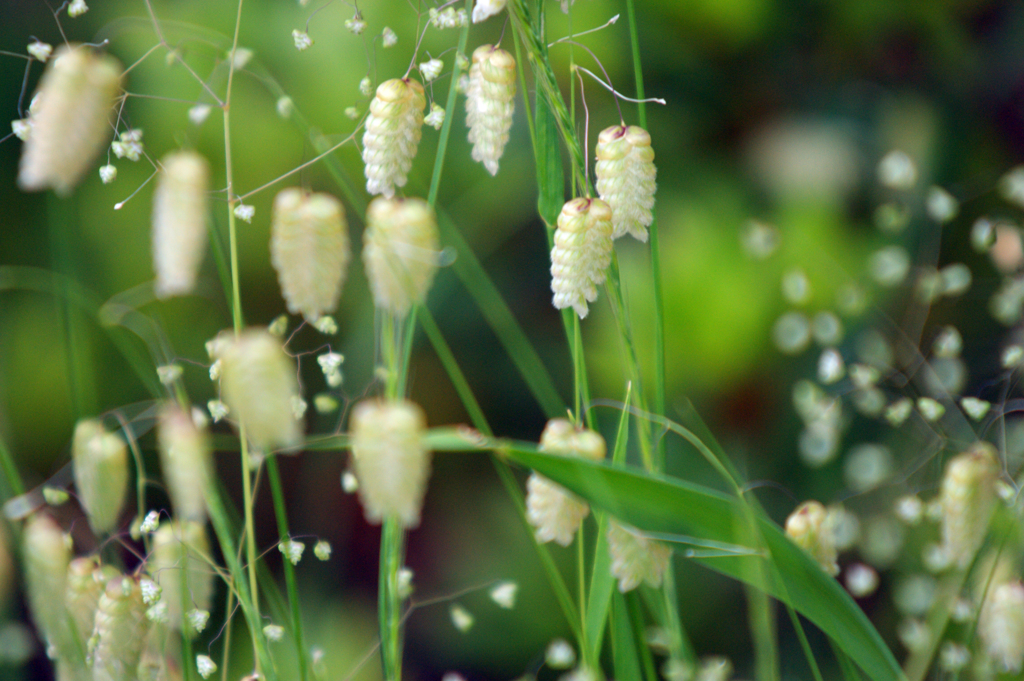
column 777, row 110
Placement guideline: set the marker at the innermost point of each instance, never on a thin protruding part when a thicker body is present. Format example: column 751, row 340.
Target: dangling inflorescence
column 625, row 178
column 185, row 460
column 179, row 222
column 968, row 498
column 635, row 558
column 490, row 100
column 812, row 529
column 400, row 248
column 101, row 473
column 581, row 254
column 177, row 563
column 393, row 131
column 556, row 513
column 391, row 459
column 121, row 626
column 70, row 121
column 309, row 248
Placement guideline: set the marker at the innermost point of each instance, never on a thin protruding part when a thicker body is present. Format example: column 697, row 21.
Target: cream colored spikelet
column 626, row 178
column 968, row 497
column 554, row 512
column 180, row 207
column 178, row 564
column 46, row 555
column 811, row 528
column 400, row 248
column 85, row 584
column 581, row 254
column 258, row 384
column 1001, row 626
column 120, row 633
column 490, row 101
column 393, row 131
column 185, row 460
column 309, row 248
column 101, row 473
column 70, row 123
column 635, row 558
column 391, row 459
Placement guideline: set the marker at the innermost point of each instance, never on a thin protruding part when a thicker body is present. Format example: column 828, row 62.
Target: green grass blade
column 664, row 504
column 550, row 175
column 625, row 661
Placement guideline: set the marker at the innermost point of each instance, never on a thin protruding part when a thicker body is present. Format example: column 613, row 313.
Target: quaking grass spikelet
column 85, row 584
column 47, row 555
column 554, row 512
column 581, row 254
column 1001, row 626
column 490, row 101
column 393, row 131
column 626, row 178
column 400, row 247
column 185, row 461
column 70, row 123
column 180, row 206
column 968, row 498
column 811, row 528
column 179, row 566
column 309, row 248
column 258, row 384
column 101, row 473
column 120, row 633
column 635, row 558
column 391, row 459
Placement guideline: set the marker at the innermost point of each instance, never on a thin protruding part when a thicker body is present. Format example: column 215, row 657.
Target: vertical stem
column 392, row 541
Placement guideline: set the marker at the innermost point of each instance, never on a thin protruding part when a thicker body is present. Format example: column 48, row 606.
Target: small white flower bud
column 326, row 325
column 626, row 178
column 285, row 106
column 242, row 57
column 217, row 409
column 40, row 50
column 244, row 212
column 968, row 497
column 77, row 8
column 554, row 512
column 197, row 619
column 22, row 128
column 101, row 473
column 400, row 246
column 504, row 594
column 70, row 119
column 205, row 666
column 405, row 585
column 435, row 118
column 366, row 86
column 128, row 145
column 179, row 222
column 258, row 382
column 484, row 9
column 108, row 173
column 302, row 40
column 431, row 69
column 309, row 248
column 392, row 136
column 896, row 170
column 560, row 654
column 198, row 113
column 322, row 550
column 273, row 632
column 490, row 100
column 150, row 523
column 325, row 404
column 810, row 528
column 461, row 618
column 635, row 558
column 186, row 462
column 388, row 38
column 390, row 459
column 356, row 24
column 975, row 408
column 581, row 254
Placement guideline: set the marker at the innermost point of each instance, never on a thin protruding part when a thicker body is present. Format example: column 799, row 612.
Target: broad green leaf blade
column 662, row 504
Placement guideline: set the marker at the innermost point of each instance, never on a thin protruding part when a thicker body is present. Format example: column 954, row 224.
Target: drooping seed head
column 101, row 473
column 554, row 512
column 46, row 555
column 635, row 558
column 967, row 498
column 178, row 564
column 390, row 459
column 120, row 631
column 393, row 131
column 309, row 248
column 185, row 461
column 71, row 121
column 180, row 206
column 1001, row 626
column 490, row 101
column 85, row 584
column 581, row 254
column 400, row 247
column 811, row 528
column 626, row 178
column 258, row 383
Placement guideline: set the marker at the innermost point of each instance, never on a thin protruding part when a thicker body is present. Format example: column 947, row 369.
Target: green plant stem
column 14, row 486
column 280, row 512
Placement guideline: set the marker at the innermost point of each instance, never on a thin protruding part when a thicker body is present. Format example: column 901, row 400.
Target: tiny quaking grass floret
column 70, row 123
column 309, row 248
column 400, row 249
column 635, row 558
column 180, row 207
column 86, row 582
column 47, row 554
column 178, row 565
column 120, row 634
column 490, row 101
column 581, row 253
column 626, row 178
column 554, row 512
column 392, row 136
column 968, row 498
column 812, row 529
column 101, row 473
column 258, row 384
column 390, row 459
